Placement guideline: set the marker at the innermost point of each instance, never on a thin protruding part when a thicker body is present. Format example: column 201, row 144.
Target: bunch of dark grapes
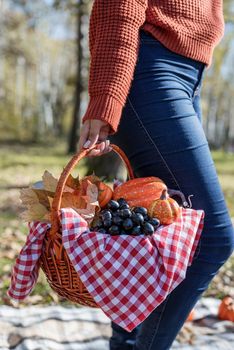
column 119, row 219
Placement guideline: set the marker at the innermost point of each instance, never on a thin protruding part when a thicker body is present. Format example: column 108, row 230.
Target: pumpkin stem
column 164, row 194
column 182, row 197
column 190, row 203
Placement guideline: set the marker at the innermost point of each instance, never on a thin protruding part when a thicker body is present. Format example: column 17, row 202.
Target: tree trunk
column 73, row 139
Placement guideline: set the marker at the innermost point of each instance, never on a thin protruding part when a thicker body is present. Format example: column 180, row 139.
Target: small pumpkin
column 226, row 309
column 140, row 191
column 191, row 316
column 166, row 209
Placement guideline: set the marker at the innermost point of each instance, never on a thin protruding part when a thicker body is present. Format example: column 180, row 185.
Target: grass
column 21, row 165
column 224, row 163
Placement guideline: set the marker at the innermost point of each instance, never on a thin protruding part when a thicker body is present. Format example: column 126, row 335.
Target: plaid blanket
column 128, row 276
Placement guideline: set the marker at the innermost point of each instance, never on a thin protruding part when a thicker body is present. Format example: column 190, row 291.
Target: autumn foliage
column 86, row 196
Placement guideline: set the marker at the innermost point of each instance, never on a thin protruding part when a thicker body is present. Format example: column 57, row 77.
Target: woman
column 147, row 64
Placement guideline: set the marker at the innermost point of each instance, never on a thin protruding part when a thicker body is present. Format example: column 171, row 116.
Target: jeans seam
column 197, row 86
column 153, row 143
column 149, row 343
column 158, row 324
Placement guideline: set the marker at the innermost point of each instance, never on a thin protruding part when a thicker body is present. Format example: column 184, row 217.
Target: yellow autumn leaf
column 28, row 196
column 35, row 212
column 49, row 181
column 43, row 197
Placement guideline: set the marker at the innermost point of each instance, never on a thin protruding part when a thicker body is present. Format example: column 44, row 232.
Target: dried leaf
column 42, row 196
column 68, row 189
column 50, row 199
column 35, row 211
column 92, row 192
column 28, row 196
column 71, row 200
column 73, row 182
column 49, row 181
column 92, row 203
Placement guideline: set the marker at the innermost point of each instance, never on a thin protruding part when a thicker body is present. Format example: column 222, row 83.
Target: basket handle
column 56, row 204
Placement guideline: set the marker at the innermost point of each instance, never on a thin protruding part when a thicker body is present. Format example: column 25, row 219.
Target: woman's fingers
column 84, row 134
column 101, row 148
column 94, row 132
column 104, row 132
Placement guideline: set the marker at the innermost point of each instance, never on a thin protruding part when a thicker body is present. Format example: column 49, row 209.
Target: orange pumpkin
column 140, row 191
column 226, row 309
column 191, row 316
column 166, row 209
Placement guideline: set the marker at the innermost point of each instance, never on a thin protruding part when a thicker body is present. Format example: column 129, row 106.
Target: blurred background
column 44, row 65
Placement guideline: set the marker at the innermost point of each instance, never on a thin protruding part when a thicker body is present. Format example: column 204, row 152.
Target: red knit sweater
column 189, row 27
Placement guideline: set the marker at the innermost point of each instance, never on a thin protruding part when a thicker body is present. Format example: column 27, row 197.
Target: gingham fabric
column 127, row 276
column 25, row 271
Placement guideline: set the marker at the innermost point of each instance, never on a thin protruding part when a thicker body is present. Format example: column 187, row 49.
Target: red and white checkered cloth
column 127, row 276
column 26, row 269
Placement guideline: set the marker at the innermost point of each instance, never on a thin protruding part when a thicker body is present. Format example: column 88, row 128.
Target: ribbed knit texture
column 191, row 28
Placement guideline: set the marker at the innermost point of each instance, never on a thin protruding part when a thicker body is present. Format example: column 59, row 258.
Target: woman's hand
column 95, row 131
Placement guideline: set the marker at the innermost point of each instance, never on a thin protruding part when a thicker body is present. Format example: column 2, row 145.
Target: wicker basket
column 54, row 261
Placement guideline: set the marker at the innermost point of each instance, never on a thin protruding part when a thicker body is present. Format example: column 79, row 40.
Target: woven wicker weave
column 54, row 261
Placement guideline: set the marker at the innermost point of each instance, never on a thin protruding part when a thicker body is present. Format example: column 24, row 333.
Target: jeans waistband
column 148, row 38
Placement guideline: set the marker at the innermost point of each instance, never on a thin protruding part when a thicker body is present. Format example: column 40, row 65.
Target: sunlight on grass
column 22, row 165
column 224, row 163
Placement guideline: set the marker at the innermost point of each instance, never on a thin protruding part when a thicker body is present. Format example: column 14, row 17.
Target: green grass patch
column 22, row 165
column 224, row 163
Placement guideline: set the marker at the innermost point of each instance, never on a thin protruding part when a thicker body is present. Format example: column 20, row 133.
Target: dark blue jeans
column 161, row 133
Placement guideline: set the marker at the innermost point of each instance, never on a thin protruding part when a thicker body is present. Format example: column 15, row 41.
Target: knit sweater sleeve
column 113, row 42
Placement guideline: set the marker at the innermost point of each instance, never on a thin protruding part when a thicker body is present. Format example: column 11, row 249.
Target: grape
column 107, row 223
column 117, row 220
column 125, row 206
column 148, row 229
column 113, row 205
column 155, row 222
column 122, row 201
column 140, row 210
column 113, row 230
column 147, row 217
column 101, row 230
column 137, row 218
column 127, row 224
column 125, row 213
column 106, row 215
column 136, row 231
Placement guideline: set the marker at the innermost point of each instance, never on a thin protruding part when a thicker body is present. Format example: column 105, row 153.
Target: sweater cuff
column 106, row 108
